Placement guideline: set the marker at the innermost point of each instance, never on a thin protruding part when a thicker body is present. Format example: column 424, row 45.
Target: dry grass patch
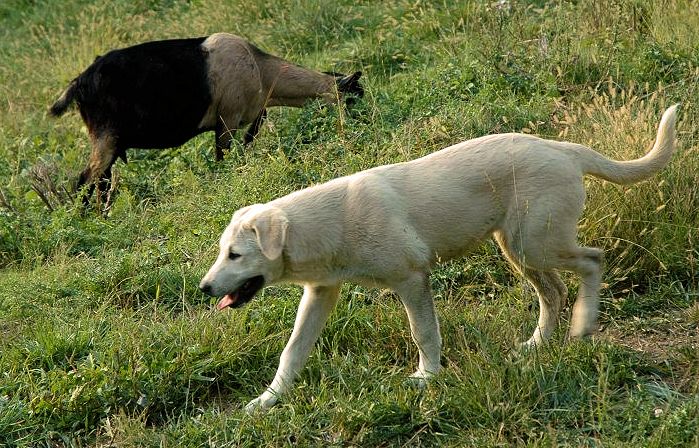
column 669, row 339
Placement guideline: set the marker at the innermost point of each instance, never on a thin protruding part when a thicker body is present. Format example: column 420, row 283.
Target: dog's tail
column 66, row 98
column 631, row 171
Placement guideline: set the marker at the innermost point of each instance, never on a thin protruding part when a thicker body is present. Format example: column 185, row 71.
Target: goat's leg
column 84, row 179
column 224, row 137
column 254, row 128
column 104, row 186
column 102, row 157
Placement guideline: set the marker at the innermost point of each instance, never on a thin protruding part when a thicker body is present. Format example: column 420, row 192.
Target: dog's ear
column 241, row 211
column 271, row 227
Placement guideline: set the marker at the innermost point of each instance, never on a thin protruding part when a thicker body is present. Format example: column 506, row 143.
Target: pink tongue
column 226, row 301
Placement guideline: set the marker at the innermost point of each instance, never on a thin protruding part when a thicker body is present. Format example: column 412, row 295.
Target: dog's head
column 250, row 255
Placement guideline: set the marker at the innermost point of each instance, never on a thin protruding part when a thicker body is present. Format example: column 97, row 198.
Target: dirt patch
column 670, row 340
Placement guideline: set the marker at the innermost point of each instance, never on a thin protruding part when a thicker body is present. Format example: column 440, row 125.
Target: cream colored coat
column 389, row 225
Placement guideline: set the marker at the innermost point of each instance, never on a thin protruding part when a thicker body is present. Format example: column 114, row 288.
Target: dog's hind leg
column 559, row 251
column 552, row 294
column 587, row 262
column 416, row 295
column 550, row 289
column 315, row 307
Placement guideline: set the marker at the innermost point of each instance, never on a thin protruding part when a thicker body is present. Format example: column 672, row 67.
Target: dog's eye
column 233, row 255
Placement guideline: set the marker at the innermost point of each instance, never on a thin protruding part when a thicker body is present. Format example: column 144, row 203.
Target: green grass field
column 105, row 339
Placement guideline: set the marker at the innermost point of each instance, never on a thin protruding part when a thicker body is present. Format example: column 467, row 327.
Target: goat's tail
column 66, row 98
column 631, row 171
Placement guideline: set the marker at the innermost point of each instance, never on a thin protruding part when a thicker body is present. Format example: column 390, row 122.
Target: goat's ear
column 271, row 227
column 348, row 80
column 350, row 84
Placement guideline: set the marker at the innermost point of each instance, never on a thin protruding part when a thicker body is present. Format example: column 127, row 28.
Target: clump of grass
column 52, row 194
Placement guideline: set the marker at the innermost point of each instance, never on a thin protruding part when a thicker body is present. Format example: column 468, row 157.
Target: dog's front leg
column 416, row 295
column 315, row 307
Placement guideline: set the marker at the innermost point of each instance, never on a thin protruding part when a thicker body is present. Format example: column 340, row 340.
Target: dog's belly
column 455, row 250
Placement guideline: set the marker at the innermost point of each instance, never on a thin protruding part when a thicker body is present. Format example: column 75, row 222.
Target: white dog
column 389, row 225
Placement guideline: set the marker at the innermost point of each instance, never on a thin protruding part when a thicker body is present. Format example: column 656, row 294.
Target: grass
column 106, row 341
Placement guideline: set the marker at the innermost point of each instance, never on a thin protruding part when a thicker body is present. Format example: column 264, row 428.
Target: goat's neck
column 291, row 85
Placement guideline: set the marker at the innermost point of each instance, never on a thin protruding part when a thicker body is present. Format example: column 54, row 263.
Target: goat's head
column 348, row 86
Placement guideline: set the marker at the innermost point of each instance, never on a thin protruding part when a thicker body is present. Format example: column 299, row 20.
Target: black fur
column 255, row 127
column 349, row 84
column 151, row 95
column 60, row 106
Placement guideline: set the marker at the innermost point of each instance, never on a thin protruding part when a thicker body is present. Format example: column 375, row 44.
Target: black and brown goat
column 160, row 94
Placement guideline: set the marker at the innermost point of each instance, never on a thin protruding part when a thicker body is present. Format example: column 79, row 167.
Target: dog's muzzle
column 238, row 297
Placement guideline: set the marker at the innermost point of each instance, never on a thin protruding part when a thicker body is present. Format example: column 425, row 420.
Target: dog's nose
column 205, row 287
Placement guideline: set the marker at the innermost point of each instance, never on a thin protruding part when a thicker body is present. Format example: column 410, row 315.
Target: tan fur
column 389, row 225
column 102, row 153
column 236, row 83
column 245, row 80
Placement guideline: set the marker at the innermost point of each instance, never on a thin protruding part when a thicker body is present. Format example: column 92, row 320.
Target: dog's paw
column 420, row 379
column 260, row 404
column 580, row 330
column 583, row 322
column 530, row 344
